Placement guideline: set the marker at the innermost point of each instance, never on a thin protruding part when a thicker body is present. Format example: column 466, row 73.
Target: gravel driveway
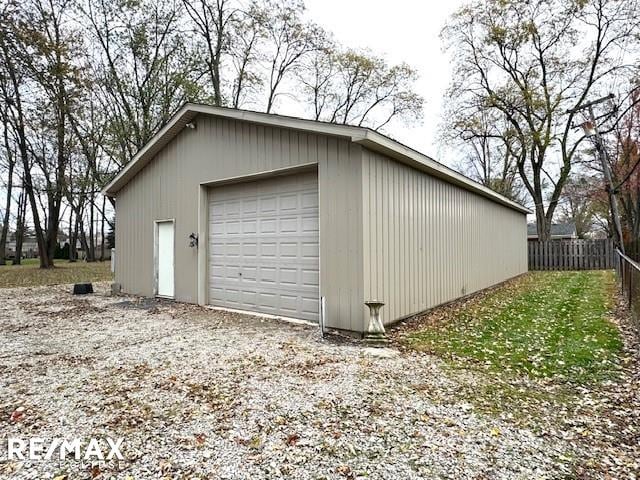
column 202, row 394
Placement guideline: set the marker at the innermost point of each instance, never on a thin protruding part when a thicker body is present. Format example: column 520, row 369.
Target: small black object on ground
column 82, row 288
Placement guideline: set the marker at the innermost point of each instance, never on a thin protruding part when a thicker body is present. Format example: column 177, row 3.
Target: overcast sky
column 402, row 30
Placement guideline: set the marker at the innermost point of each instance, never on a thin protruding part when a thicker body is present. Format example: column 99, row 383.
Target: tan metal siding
column 427, row 242
column 219, row 149
column 340, row 194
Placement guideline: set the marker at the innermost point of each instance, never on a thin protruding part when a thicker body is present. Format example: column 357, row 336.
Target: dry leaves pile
column 586, row 388
column 203, row 394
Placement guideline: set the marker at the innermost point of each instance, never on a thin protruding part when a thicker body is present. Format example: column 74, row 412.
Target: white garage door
column 263, row 246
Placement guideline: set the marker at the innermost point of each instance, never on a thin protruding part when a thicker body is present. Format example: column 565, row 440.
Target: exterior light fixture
column 193, row 240
column 191, row 125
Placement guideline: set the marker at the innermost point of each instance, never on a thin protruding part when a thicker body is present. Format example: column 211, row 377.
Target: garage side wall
column 218, row 149
column 427, row 242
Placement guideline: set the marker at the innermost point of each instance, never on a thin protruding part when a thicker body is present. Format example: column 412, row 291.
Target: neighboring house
column 82, row 255
column 559, row 231
column 288, row 211
column 29, row 247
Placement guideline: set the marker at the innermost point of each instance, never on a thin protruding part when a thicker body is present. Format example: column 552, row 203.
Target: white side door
column 164, row 258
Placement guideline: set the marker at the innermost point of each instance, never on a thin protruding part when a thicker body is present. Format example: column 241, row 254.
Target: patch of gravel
column 197, row 393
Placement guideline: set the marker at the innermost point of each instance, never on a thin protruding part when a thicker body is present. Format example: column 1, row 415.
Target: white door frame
column 156, row 256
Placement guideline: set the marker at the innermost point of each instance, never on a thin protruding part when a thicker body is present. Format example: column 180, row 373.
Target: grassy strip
column 30, row 275
column 548, row 325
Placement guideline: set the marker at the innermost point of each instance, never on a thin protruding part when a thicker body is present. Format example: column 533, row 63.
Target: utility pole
column 590, row 128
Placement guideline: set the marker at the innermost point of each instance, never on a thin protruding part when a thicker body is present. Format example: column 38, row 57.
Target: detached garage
column 276, row 215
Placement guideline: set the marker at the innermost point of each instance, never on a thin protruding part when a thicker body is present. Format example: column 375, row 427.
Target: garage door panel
column 289, row 303
column 264, row 249
column 310, row 278
column 249, row 297
column 232, row 296
column 249, row 206
column 309, row 225
column 310, row 306
column 289, row 225
column 268, row 205
column 310, row 250
column 289, row 277
column 268, row 226
column 233, row 227
column 268, row 275
column 232, row 208
column 249, row 273
column 289, row 202
column 249, row 250
column 216, row 229
column 309, row 201
column 249, row 227
column 289, row 250
column 295, row 277
column 217, row 271
column 269, row 249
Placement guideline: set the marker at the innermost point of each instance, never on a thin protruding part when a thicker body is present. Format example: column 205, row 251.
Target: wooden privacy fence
column 572, row 255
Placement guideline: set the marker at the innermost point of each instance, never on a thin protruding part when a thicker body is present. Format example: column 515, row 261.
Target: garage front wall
column 427, row 242
column 169, row 187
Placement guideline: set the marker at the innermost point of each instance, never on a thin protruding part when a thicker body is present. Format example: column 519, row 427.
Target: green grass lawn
column 29, row 274
column 545, row 325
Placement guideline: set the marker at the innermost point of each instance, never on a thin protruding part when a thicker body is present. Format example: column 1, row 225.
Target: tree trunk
column 22, row 210
column 83, row 242
column 102, row 236
column 5, row 220
column 90, row 241
column 543, row 227
column 52, row 235
column 72, row 251
column 43, row 250
column 73, row 242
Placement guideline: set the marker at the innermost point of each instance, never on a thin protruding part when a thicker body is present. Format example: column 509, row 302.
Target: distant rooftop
column 557, row 230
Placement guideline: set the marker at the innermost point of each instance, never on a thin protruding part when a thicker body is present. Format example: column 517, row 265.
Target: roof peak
column 364, row 136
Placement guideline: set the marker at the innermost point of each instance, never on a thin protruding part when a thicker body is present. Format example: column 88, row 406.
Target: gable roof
column 557, row 230
column 361, row 135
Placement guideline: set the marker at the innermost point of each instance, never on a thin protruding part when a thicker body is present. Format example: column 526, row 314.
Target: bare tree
column 212, row 21
column 518, row 58
column 8, row 164
column 486, row 150
column 143, row 69
column 50, row 43
column 11, row 49
column 289, row 40
column 578, row 203
column 359, row 88
column 85, row 84
column 20, row 227
column 317, row 75
column 247, row 36
column 625, row 164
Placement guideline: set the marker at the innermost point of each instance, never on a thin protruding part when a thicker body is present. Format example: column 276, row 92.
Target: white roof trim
column 363, row 136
